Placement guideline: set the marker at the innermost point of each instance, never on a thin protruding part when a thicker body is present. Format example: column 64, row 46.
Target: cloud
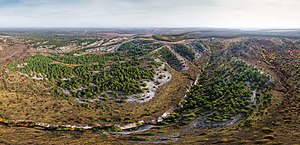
column 149, row 13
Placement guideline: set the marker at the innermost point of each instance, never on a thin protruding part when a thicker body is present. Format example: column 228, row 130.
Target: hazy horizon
column 237, row 14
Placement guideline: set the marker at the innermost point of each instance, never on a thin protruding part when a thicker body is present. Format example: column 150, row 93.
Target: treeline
column 168, row 38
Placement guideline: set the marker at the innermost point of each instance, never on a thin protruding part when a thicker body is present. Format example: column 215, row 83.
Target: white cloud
column 150, row 13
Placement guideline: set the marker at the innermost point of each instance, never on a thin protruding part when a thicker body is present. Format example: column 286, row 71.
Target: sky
column 150, row 13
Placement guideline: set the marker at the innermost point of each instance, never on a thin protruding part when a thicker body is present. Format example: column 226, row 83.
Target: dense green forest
column 57, row 67
column 43, row 64
column 184, row 51
column 85, row 59
column 91, row 75
column 225, row 93
column 199, row 46
column 121, row 78
column 171, row 59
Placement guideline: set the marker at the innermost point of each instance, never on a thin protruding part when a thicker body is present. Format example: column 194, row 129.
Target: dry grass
column 24, row 102
column 23, row 98
column 13, row 53
column 32, row 136
column 31, row 100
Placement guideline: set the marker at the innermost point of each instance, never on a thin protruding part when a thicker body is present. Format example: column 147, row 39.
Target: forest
column 138, row 47
column 120, row 79
column 227, row 92
column 184, row 51
column 199, row 46
column 171, row 58
column 54, row 40
column 90, row 75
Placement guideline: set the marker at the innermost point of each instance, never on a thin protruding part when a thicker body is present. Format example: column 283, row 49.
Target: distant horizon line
column 237, row 28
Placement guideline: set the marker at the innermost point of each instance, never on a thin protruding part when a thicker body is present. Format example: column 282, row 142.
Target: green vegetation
column 199, row 46
column 140, row 138
column 89, row 76
column 228, row 92
column 171, row 59
column 119, row 78
column 58, row 67
column 184, row 51
column 95, row 82
column 171, row 38
column 54, row 40
column 43, row 64
column 85, row 59
column 138, row 47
